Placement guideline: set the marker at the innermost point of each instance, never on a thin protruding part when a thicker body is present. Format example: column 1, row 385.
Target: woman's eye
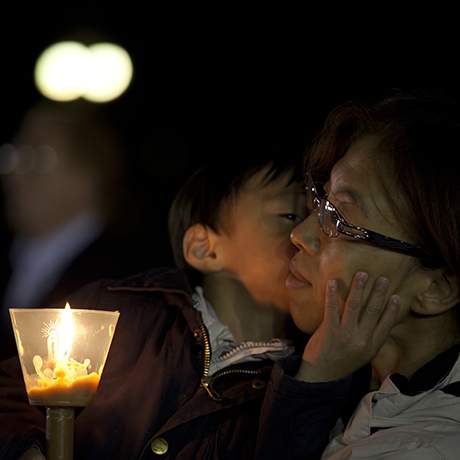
column 337, row 202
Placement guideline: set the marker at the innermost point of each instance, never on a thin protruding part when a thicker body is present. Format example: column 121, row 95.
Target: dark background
column 197, row 83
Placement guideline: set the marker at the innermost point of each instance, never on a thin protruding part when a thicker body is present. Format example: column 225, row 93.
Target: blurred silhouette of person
column 63, row 184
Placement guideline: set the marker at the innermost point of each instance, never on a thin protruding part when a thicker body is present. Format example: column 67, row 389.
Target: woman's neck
column 237, row 309
column 414, row 343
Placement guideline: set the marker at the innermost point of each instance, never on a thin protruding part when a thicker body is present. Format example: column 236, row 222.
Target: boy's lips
column 294, row 279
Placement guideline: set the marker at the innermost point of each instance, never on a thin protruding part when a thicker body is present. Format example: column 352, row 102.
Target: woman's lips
column 294, row 279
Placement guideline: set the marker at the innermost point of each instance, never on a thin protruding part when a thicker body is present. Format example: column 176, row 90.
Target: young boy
column 193, row 349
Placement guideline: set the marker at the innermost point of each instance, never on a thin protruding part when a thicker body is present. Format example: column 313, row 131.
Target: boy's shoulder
column 165, row 279
column 162, row 280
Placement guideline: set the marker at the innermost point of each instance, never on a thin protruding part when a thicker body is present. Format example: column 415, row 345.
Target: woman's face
column 360, row 194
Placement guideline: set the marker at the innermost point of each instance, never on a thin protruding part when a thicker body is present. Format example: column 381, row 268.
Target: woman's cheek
column 342, row 266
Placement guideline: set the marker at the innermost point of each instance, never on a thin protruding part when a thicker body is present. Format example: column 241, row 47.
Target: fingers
column 332, row 305
column 375, row 305
column 387, row 321
column 372, row 316
column 354, row 302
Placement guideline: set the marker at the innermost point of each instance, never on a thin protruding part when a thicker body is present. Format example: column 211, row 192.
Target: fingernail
column 395, row 301
column 362, row 278
column 332, row 285
column 382, row 283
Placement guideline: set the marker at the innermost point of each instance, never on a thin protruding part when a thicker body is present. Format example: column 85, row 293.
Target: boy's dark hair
column 219, row 180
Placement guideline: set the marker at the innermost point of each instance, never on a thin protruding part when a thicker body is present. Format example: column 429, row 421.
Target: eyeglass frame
column 324, row 206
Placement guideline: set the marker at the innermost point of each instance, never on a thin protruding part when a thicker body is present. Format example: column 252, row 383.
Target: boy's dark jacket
column 151, row 399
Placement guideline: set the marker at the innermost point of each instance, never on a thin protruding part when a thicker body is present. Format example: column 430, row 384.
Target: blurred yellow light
column 61, row 69
column 69, row 70
column 109, row 74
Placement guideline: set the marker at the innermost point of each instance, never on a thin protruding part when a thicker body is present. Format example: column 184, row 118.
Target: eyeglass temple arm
column 385, row 242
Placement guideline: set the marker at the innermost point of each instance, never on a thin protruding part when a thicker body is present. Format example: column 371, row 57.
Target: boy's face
column 256, row 243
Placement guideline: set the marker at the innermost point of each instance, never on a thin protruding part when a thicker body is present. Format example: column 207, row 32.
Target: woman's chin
column 304, row 322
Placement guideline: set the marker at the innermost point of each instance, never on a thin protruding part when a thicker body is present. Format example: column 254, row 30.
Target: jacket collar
column 428, row 375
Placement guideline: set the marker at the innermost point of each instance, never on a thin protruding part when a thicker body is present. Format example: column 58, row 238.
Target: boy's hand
column 344, row 343
column 33, row 454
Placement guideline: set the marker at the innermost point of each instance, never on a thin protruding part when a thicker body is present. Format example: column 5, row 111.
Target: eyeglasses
column 332, row 223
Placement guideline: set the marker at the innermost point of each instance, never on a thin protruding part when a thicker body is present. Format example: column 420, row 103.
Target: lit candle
column 62, row 354
column 62, row 380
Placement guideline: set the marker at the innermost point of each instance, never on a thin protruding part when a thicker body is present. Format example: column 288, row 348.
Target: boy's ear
column 199, row 247
column 442, row 294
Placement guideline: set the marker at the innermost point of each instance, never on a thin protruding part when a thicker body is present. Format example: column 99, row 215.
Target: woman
column 385, row 215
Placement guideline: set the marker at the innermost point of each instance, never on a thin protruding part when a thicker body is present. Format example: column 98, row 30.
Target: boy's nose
column 305, row 235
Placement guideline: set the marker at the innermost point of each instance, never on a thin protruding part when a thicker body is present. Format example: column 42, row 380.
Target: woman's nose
column 305, row 235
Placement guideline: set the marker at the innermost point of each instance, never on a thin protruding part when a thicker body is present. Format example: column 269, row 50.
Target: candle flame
column 65, row 332
column 59, row 367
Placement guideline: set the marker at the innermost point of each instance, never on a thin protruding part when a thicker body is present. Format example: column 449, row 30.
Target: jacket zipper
column 206, row 379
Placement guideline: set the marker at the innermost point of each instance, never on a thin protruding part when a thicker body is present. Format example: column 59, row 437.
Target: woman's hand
column 344, row 343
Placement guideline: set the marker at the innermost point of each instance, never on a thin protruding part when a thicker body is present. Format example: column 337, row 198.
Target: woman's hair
column 420, row 138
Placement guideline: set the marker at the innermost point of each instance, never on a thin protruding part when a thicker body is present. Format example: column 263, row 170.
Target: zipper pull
column 206, row 384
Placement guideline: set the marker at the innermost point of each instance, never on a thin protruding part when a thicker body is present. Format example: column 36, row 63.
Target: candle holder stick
column 59, row 433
